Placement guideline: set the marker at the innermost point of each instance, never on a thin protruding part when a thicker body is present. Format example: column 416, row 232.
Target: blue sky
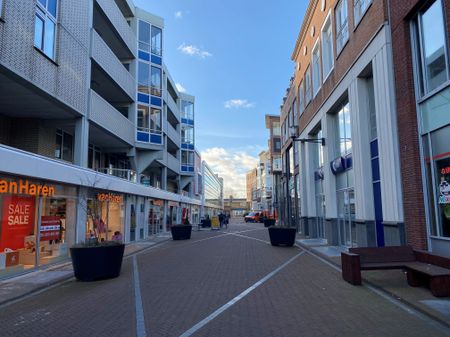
column 234, row 57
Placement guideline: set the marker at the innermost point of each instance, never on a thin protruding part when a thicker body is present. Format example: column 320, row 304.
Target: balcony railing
column 126, row 174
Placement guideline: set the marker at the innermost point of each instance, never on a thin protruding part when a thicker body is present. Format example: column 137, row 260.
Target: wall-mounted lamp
column 293, row 136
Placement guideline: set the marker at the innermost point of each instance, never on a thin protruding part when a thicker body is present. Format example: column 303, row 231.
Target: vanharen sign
column 26, row 188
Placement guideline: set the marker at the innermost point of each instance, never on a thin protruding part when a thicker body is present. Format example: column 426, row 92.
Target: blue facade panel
column 143, row 98
column 143, row 137
column 156, row 101
column 156, row 60
column 156, row 139
column 144, row 56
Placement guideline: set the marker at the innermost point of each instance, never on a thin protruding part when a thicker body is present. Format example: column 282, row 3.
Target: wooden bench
column 422, row 268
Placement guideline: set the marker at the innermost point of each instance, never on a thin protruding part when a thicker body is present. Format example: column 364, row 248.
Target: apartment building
column 341, row 167
column 251, row 177
column 421, row 66
column 213, row 197
column 94, row 135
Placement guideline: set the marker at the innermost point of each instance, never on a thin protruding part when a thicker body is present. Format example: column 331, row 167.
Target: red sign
column 17, row 221
column 50, row 228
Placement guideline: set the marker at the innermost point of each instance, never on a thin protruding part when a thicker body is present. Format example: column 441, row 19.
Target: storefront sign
column 110, row 197
column 50, row 228
column 18, row 221
column 173, row 204
column 26, row 188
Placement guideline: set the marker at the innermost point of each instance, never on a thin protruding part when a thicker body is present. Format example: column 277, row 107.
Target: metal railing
column 126, row 174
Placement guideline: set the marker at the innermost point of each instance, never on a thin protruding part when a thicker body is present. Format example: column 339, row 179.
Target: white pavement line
column 410, row 310
column 140, row 321
column 249, row 237
column 216, row 313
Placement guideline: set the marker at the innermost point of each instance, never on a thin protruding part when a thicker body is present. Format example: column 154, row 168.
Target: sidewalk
column 391, row 282
column 18, row 287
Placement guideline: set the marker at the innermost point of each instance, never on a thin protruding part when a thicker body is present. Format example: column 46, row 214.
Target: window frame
column 43, row 13
column 328, row 23
column 363, row 12
column 340, row 29
column 64, row 134
column 301, row 98
column 308, row 86
column 420, row 71
column 315, row 49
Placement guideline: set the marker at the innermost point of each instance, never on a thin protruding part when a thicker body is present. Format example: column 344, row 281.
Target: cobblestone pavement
column 283, row 292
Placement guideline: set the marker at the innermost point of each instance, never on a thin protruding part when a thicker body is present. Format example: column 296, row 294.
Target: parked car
column 254, row 217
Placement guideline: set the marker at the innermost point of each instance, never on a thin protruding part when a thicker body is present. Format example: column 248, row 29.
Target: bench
column 422, row 268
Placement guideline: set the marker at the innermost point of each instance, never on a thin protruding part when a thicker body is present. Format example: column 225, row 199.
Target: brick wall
column 415, row 221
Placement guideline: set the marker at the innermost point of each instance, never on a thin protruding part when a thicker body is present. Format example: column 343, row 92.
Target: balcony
column 113, row 15
column 173, row 107
column 126, row 174
column 173, row 134
column 173, row 163
column 126, row 7
column 107, row 117
column 113, row 68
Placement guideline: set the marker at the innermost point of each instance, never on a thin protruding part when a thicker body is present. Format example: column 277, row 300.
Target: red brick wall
column 415, row 221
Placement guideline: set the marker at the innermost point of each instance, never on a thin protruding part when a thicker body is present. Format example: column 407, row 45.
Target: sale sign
column 50, row 228
column 17, row 221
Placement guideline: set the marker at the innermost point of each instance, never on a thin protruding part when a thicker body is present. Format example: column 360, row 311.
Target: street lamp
column 293, row 136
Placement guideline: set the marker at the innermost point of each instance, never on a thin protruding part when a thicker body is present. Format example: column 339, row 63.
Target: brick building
column 341, row 177
column 420, row 30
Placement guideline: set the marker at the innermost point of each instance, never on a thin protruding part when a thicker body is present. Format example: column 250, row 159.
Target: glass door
column 346, row 217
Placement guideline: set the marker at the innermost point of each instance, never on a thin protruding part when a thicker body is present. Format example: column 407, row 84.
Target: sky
column 234, row 56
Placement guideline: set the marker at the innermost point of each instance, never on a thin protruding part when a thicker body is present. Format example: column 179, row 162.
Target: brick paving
column 182, row 282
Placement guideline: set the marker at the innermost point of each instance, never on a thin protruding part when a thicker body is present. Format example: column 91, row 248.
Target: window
column 344, row 130
column 295, row 112
column 341, row 25
column 301, row 98
column 359, row 9
column 144, row 36
column 187, row 158
column 276, row 129
column 316, row 73
column 64, row 146
column 327, row 48
column 149, row 119
column 1, row 8
column 187, row 110
column 156, row 40
column 45, row 27
column 187, row 134
column 307, row 87
column 430, row 41
column 143, row 77
column 156, row 81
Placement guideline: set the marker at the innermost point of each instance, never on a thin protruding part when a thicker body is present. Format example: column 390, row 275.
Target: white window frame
column 316, row 49
column 339, row 30
column 301, row 98
column 328, row 23
column 362, row 12
column 45, row 15
column 308, row 93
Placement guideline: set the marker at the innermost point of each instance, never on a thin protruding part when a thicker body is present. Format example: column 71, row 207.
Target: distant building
column 236, row 207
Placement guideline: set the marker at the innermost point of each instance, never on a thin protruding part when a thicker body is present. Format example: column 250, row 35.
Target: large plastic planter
column 181, row 232
column 97, row 263
column 269, row 222
column 282, row 236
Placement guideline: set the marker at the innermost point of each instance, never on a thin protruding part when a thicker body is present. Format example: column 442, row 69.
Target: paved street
column 186, row 288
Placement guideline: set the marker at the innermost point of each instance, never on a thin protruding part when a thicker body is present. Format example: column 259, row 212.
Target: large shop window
column 45, row 27
column 431, row 48
column 105, row 216
column 437, row 164
column 37, row 224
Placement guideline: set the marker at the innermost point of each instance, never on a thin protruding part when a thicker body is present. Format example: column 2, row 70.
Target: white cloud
column 180, row 88
column 232, row 166
column 238, row 103
column 192, row 50
column 178, row 15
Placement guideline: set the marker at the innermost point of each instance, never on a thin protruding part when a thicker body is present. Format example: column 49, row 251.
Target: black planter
column 181, row 232
column 97, row 263
column 269, row 222
column 282, row 236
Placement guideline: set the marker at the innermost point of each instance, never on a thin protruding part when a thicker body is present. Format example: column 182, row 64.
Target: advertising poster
column 17, row 221
column 50, row 228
